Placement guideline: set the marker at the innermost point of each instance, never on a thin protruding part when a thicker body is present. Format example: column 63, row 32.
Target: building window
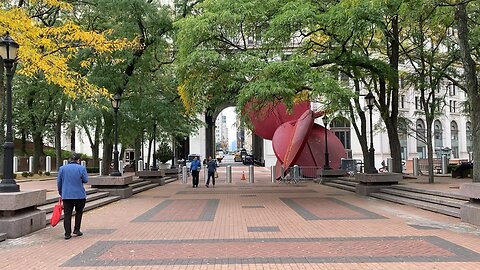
column 454, row 133
column 452, row 89
column 469, row 140
column 402, row 136
column 420, row 132
column 341, row 127
column 438, row 138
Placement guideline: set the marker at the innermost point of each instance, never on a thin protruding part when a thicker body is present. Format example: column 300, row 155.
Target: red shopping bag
column 57, row 213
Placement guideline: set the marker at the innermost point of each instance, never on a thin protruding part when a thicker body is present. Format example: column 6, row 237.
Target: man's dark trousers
column 195, row 180
column 68, row 205
column 212, row 175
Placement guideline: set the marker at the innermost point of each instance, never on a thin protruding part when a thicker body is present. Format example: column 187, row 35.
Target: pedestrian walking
column 195, row 168
column 212, row 168
column 70, row 180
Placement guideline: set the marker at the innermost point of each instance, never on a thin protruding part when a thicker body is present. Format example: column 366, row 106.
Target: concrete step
column 144, row 187
column 343, row 182
column 48, row 208
column 448, row 201
column 169, row 179
column 340, row 186
column 52, row 197
column 431, row 192
column 3, row 236
column 139, row 183
column 438, row 208
column 91, row 205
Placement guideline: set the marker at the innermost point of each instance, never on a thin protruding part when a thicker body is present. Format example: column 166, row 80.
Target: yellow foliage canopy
column 47, row 50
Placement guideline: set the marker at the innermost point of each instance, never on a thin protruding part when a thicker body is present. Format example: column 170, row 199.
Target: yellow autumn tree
column 47, row 50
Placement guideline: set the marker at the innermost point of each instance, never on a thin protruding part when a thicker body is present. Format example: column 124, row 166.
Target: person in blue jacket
column 195, row 167
column 70, row 180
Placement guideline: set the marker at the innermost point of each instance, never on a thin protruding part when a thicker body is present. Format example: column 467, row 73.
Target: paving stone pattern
column 260, row 226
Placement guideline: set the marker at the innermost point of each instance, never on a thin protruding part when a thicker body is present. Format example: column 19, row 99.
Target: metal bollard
column 184, row 174
column 48, row 164
column 415, row 167
column 120, row 166
column 444, row 164
column 296, row 173
column 205, row 173
column 30, row 164
column 140, row 166
column 229, row 174
column 83, row 163
column 15, row 164
column 250, row 174
column 272, row 174
column 390, row 164
column 100, row 168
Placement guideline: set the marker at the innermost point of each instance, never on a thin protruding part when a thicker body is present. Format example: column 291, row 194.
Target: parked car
column 248, row 160
column 237, row 157
column 219, row 156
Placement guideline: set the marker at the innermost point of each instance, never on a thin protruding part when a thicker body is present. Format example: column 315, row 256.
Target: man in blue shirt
column 195, row 169
column 212, row 168
column 70, row 180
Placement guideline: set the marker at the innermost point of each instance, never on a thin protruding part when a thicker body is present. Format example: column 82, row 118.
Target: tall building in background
column 221, row 132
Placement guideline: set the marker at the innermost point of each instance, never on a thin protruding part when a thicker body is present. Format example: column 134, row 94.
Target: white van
column 190, row 159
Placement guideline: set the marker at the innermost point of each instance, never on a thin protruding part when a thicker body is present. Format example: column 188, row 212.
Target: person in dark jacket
column 70, row 180
column 195, row 167
column 212, row 168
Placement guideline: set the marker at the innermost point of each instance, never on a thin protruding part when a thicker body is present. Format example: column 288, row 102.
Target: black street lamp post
column 370, row 100
column 154, row 161
column 8, row 52
column 326, row 166
column 116, row 104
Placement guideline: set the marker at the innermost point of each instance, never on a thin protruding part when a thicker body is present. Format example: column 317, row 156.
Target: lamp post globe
column 370, row 101
column 116, row 100
column 8, row 52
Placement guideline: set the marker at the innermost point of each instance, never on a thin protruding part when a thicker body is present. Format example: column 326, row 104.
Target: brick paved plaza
column 250, row 226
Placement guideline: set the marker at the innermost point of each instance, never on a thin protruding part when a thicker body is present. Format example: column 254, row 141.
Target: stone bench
column 470, row 211
column 115, row 185
column 152, row 176
column 373, row 182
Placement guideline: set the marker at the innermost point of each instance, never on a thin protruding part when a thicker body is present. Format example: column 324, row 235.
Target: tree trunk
column 37, row 151
column 392, row 119
column 471, row 82
column 429, row 121
column 138, row 149
column 2, row 114
column 58, row 133
column 107, row 143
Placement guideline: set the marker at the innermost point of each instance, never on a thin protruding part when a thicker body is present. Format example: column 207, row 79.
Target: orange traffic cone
column 243, row 176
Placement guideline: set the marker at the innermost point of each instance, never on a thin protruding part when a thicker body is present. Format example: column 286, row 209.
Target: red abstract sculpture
column 296, row 139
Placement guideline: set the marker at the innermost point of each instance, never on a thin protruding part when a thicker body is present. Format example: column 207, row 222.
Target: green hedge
column 93, row 169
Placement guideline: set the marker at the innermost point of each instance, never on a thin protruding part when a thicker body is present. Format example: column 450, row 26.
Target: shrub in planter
column 25, row 174
column 40, row 173
column 164, row 152
column 93, row 169
column 31, row 174
column 47, row 173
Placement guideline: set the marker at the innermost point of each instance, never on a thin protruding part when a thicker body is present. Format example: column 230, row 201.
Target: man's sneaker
column 67, row 237
column 206, row 186
column 78, row 233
